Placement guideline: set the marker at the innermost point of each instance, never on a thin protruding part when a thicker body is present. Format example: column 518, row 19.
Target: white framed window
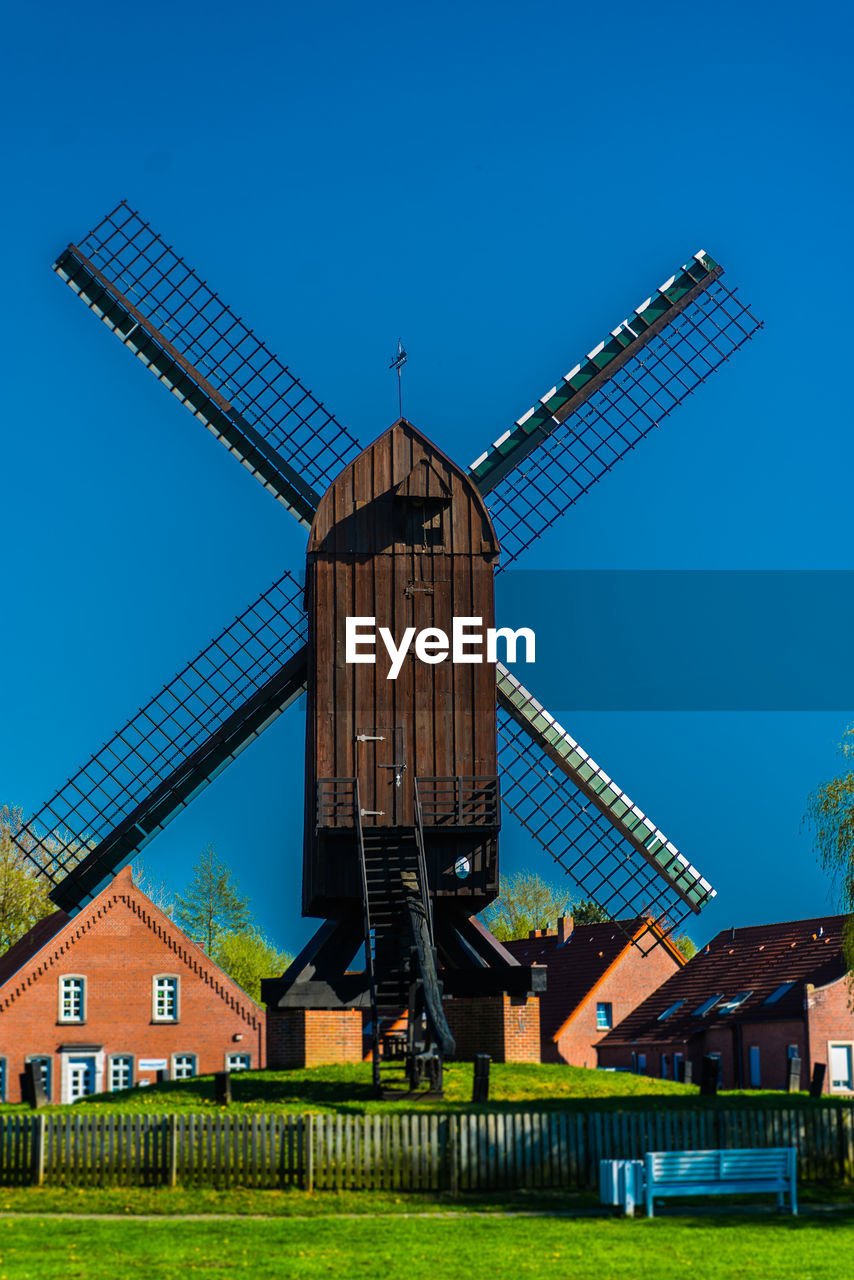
column 165, row 991
column 121, row 1071
column 604, row 1016
column 840, row 1060
column 238, row 1061
column 72, row 998
column 183, row 1066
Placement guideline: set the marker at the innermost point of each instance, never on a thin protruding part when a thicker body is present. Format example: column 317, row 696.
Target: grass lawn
column 720, row 1248
column 513, row 1086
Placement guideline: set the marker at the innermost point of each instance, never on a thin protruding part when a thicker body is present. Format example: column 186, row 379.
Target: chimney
column 564, row 929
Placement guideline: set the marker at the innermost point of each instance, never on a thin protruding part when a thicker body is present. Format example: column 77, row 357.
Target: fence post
column 451, row 1155
column 38, row 1150
column 173, row 1150
column 309, row 1153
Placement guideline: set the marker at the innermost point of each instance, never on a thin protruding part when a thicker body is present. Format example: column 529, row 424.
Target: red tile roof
column 31, row 943
column 760, row 959
column 575, row 966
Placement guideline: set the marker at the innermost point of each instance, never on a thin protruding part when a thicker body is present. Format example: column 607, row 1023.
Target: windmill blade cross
column 172, row 748
column 606, row 404
column 205, row 355
column 600, row 838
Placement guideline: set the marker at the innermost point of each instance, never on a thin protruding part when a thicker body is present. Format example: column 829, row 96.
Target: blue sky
column 499, row 187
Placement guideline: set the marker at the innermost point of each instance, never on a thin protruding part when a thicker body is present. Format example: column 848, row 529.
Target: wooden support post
column 32, row 1087
column 222, row 1088
column 793, row 1075
column 480, row 1084
column 709, row 1077
column 817, row 1084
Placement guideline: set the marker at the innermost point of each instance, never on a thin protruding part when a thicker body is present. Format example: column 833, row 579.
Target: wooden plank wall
column 400, row 1151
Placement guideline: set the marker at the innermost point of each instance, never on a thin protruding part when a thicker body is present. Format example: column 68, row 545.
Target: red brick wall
column 771, row 1038
column 505, row 1027
column 118, row 943
column 312, row 1037
column 628, row 982
column 829, row 1018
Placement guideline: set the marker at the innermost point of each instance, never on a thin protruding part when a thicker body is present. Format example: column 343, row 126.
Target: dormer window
column 779, row 993
column 729, row 1006
column 671, row 1009
column 706, row 1006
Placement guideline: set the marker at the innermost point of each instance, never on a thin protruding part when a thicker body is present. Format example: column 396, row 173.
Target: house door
column 755, row 1073
column 81, row 1078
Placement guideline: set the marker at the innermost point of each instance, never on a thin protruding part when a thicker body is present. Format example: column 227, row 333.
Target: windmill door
column 381, row 770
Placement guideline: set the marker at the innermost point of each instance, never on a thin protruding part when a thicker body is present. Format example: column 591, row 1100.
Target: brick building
column 596, row 977
column 105, row 999
column 753, row 998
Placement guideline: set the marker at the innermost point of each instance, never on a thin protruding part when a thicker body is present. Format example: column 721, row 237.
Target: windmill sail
column 172, row 748
column 207, row 357
column 608, row 402
column 610, row 848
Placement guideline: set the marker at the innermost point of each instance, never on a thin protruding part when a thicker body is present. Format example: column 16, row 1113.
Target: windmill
column 402, row 789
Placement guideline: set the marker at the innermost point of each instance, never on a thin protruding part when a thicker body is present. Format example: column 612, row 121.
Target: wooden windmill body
column 403, row 537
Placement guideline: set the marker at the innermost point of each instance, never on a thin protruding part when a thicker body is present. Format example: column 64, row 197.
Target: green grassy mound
column 329, row 1089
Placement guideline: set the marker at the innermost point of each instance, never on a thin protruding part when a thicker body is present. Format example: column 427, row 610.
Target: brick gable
column 119, row 943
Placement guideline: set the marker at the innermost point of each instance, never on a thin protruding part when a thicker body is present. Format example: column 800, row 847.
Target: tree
column 525, row 902
column 682, row 942
column 23, row 893
column 213, row 905
column 830, row 814
column 586, row 911
column 158, row 891
column 247, row 957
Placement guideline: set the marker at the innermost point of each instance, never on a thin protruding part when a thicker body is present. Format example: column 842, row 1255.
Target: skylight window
column 781, row 991
column 730, row 1005
column 677, row 1004
column 704, row 1008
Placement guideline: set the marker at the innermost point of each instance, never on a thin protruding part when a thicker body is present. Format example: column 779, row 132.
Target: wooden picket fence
column 399, row 1151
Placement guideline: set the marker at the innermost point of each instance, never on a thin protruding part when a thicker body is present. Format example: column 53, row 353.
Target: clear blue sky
column 498, row 185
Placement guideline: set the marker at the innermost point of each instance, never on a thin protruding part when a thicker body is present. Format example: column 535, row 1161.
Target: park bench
column 744, row 1170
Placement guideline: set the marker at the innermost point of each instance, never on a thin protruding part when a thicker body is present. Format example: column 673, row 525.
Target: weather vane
column 397, row 363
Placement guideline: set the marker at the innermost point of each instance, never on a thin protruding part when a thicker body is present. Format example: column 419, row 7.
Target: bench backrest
column 748, row 1163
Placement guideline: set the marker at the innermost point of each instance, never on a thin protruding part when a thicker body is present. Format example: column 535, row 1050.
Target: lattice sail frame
column 580, row 429
column 602, row 840
column 173, row 747
column 168, row 317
